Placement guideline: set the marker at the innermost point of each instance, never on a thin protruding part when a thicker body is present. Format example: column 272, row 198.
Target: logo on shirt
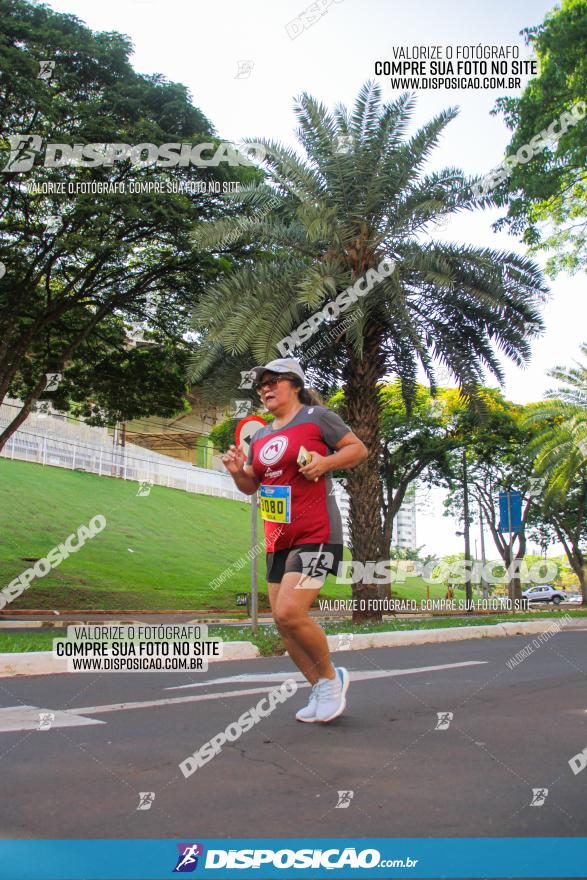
column 273, row 450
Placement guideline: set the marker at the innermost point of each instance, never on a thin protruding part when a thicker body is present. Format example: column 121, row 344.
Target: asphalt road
column 512, row 731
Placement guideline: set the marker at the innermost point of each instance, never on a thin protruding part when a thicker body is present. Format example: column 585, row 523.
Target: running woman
column 303, row 529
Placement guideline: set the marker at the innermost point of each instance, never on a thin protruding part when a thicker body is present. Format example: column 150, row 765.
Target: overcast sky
column 243, row 71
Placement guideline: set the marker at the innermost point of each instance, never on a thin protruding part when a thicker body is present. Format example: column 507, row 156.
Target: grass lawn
column 157, row 552
column 268, row 640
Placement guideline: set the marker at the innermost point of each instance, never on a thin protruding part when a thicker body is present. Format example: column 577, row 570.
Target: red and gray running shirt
column 297, row 510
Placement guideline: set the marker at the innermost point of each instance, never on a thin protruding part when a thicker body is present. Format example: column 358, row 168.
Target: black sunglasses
column 272, row 382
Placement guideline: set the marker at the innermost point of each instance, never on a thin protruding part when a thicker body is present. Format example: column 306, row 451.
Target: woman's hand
column 234, row 460
column 317, row 467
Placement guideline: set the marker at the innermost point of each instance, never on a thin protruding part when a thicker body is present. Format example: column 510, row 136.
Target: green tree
column 560, row 425
column 498, row 459
column 140, row 382
column 415, row 443
column 75, row 258
column 110, row 378
column 223, row 434
column 341, row 213
column 566, row 521
column 546, row 197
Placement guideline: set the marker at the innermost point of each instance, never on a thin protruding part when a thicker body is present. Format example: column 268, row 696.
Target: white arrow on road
column 29, row 718
column 360, row 675
column 15, row 718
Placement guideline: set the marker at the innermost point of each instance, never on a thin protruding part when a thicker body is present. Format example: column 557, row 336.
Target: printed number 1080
column 272, row 508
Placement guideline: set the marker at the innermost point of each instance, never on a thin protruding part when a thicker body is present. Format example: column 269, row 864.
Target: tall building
column 404, row 524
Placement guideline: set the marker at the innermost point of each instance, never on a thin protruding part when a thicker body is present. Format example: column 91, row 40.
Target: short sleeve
column 258, row 435
column 332, row 427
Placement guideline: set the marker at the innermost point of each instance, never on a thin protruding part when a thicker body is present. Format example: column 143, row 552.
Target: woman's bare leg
column 304, row 638
column 299, row 656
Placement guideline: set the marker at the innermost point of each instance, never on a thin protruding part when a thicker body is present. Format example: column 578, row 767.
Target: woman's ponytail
column 307, row 395
column 310, row 397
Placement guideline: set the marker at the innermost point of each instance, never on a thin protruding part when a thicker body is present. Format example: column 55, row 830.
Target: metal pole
column 510, row 548
column 484, row 584
column 254, row 583
column 467, row 535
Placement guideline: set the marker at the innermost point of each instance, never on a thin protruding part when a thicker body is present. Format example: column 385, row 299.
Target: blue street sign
column 510, row 506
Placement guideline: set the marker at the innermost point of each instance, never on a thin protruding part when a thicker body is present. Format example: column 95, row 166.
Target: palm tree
column 360, row 194
column 560, row 443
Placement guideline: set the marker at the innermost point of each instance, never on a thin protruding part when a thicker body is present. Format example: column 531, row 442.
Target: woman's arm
column 242, row 474
column 350, row 451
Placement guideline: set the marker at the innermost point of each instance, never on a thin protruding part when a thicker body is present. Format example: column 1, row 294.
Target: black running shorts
column 314, row 560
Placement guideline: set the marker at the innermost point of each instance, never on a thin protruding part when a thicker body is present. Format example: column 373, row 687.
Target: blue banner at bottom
column 270, row 858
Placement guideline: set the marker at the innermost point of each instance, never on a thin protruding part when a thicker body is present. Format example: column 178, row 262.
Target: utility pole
column 511, row 539
column 484, row 584
column 254, row 579
column 467, row 534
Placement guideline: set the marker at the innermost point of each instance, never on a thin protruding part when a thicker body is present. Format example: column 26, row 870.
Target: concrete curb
column 43, row 662
column 361, row 641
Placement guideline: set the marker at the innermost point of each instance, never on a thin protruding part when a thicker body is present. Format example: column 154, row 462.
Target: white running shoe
column 308, row 713
column 331, row 694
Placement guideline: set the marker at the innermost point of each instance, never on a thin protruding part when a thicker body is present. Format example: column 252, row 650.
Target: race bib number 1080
column 275, row 503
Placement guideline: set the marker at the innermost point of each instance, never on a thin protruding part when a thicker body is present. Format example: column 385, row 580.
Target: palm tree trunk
column 362, row 402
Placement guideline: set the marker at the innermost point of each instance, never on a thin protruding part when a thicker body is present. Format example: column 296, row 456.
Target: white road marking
column 27, row 718
column 297, row 676
column 253, row 677
column 73, row 717
column 170, row 701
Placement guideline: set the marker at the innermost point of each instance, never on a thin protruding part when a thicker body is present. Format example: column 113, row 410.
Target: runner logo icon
column 273, row 450
column 187, row 859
